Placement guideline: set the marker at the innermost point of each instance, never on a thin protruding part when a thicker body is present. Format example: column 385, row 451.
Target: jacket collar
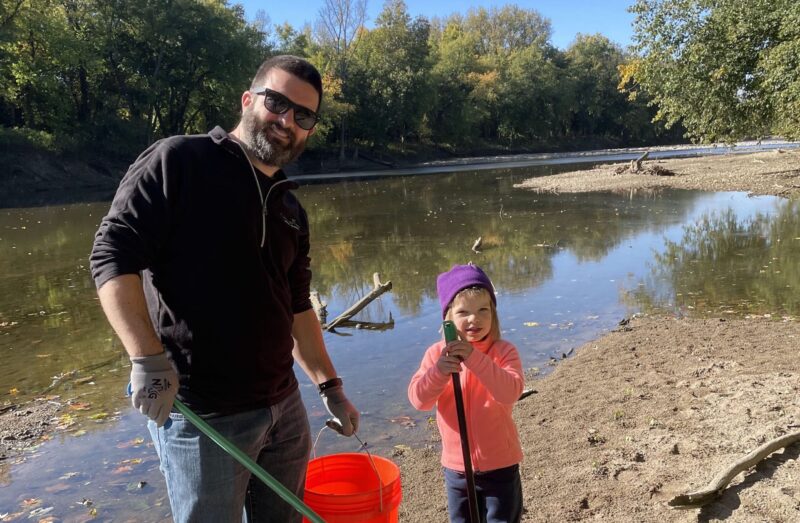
column 221, row 137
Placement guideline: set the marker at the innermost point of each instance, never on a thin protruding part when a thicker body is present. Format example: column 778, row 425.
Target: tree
column 454, row 62
column 391, row 77
column 592, row 64
column 726, row 69
column 338, row 24
column 289, row 41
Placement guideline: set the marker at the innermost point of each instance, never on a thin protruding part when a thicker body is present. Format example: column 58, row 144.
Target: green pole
column 245, row 460
column 451, row 334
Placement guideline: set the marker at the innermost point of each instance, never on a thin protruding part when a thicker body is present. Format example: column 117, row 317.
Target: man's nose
column 287, row 118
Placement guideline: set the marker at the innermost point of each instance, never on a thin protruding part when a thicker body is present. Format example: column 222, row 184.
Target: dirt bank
column 23, row 426
column 775, row 172
column 648, row 412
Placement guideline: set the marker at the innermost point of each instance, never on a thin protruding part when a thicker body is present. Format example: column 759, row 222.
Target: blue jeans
column 204, row 483
column 499, row 494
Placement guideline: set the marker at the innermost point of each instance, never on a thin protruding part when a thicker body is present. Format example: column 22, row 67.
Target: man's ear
column 247, row 99
column 312, row 131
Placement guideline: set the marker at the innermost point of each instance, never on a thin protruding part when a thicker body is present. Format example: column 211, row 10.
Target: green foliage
column 725, row 69
column 125, row 72
column 389, row 77
column 24, row 138
column 111, row 76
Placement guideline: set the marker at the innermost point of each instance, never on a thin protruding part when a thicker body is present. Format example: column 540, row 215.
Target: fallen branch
column 319, row 307
column 705, row 495
column 526, row 393
column 379, row 289
column 636, row 165
column 368, row 325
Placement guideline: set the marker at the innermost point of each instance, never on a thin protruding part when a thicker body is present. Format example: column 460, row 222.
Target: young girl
column 491, row 381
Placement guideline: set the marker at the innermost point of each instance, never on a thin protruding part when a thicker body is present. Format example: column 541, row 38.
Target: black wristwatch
column 325, row 385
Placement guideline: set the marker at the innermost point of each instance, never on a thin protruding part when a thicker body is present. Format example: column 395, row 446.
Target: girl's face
column 472, row 315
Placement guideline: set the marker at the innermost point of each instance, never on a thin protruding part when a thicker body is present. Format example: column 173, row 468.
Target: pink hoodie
column 491, row 383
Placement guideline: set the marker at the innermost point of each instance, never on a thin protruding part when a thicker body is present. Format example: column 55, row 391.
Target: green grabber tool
column 450, row 334
column 244, row 459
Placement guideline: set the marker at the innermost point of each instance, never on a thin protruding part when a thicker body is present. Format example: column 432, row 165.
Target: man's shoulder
column 177, row 149
column 180, row 142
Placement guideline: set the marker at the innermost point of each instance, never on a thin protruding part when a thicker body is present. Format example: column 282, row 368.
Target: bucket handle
column 329, row 424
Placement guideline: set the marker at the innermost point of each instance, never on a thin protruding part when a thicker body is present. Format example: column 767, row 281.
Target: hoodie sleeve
column 137, row 224
column 428, row 382
column 500, row 373
column 300, row 271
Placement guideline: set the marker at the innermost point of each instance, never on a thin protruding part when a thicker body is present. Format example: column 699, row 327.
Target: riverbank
column 765, row 173
column 35, row 176
column 652, row 410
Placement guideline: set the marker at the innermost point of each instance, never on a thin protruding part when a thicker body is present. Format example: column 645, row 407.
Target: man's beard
column 274, row 154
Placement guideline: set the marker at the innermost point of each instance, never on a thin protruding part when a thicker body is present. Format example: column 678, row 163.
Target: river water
column 567, row 268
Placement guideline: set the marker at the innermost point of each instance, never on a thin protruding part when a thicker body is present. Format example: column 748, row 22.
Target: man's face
column 276, row 139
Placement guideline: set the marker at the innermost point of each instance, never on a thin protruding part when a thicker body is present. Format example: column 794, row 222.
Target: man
column 202, row 269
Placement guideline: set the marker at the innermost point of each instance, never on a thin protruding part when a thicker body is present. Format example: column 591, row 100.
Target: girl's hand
column 452, row 355
column 448, row 364
column 459, row 349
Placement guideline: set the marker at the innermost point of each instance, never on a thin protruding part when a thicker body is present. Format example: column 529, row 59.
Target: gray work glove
column 345, row 415
column 154, row 384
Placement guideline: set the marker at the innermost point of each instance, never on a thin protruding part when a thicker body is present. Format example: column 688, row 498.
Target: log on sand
column 710, row 492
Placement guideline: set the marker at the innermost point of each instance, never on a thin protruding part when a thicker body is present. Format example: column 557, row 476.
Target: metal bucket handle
column 330, row 424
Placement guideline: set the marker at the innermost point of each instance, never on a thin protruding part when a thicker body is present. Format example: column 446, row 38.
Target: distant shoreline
column 774, row 173
column 37, row 177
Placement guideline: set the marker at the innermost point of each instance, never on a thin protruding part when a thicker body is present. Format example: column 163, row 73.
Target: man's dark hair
column 293, row 65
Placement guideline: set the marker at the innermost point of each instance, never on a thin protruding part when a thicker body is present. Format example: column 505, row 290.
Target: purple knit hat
column 460, row 277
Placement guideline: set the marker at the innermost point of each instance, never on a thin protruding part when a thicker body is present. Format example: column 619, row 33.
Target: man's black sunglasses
column 277, row 103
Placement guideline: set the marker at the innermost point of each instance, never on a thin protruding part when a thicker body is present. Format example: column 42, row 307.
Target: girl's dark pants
column 499, row 495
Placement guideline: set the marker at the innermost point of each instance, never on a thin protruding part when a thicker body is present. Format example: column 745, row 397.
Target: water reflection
column 728, row 264
column 566, row 267
column 411, row 229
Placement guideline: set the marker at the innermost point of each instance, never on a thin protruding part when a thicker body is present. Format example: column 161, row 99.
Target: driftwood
column 636, row 165
column 526, row 393
column 710, row 492
column 476, row 247
column 319, row 307
column 367, row 325
column 379, row 289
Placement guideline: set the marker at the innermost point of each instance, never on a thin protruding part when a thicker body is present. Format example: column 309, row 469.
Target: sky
column 567, row 17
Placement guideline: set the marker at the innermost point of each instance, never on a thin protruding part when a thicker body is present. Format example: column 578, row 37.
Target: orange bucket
column 345, row 488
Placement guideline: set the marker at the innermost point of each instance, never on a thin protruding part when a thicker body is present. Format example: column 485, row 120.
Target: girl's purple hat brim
column 460, row 277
